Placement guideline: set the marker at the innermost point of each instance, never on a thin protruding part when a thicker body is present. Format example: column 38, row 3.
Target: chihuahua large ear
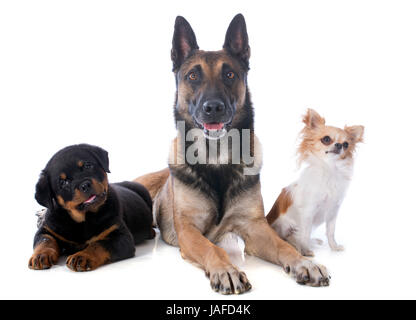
column 43, row 193
column 356, row 133
column 101, row 156
column 183, row 43
column 236, row 39
column 313, row 120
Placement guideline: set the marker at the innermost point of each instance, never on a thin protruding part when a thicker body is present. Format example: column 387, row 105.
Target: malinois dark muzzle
column 197, row 204
column 211, row 85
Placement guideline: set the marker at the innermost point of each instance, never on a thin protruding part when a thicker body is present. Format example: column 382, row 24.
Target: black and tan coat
column 195, row 205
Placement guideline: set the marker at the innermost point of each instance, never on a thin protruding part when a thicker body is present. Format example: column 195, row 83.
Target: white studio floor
column 158, row 272
column 99, row 72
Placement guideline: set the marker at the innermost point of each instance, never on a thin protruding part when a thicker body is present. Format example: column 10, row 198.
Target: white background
column 100, row 72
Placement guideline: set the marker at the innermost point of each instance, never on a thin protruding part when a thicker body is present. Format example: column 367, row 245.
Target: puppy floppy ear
column 43, row 193
column 183, row 43
column 355, row 132
column 313, row 120
column 236, row 39
column 101, row 156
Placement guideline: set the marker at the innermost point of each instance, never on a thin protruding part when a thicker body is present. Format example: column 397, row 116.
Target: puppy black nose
column 85, row 186
column 338, row 146
column 213, row 107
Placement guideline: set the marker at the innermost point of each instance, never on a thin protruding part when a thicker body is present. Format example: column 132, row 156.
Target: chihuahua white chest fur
column 321, row 189
column 315, row 198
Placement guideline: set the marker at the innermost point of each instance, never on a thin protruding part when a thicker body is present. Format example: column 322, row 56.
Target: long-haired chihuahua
column 317, row 195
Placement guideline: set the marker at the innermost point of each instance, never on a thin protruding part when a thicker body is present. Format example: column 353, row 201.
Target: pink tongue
column 90, row 199
column 213, row 126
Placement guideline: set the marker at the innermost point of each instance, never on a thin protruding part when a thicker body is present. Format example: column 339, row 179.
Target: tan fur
column 45, row 254
column 283, row 202
column 92, row 257
column 186, row 218
column 354, row 136
column 191, row 219
column 318, row 193
column 70, row 206
column 103, row 235
column 59, row 237
column 79, row 197
column 315, row 129
column 154, row 181
column 211, row 63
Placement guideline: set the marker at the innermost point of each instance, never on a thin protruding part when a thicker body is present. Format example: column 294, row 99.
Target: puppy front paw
column 80, row 262
column 43, row 259
column 88, row 259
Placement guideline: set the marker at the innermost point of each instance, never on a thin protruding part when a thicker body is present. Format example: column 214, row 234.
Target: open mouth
column 92, row 200
column 214, row 130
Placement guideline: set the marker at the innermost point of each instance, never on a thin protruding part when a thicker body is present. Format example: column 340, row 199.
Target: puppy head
column 325, row 142
column 75, row 179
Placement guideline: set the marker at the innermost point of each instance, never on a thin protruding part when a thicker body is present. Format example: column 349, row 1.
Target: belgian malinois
column 197, row 202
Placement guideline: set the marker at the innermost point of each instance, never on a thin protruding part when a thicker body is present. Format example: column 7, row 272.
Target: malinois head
column 212, row 92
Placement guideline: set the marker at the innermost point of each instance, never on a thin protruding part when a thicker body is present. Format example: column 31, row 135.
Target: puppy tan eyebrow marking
column 63, row 176
column 80, row 163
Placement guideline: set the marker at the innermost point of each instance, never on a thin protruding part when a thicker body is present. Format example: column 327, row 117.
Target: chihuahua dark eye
column 230, row 75
column 345, row 145
column 326, row 140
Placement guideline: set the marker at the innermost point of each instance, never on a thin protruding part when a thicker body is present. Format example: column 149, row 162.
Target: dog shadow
column 144, row 250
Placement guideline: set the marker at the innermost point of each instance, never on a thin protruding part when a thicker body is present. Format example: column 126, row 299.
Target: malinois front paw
column 229, row 281
column 308, row 273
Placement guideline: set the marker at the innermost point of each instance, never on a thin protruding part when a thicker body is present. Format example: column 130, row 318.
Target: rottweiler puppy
column 87, row 218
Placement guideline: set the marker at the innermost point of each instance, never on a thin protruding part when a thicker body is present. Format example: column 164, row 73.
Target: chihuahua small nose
column 213, row 107
column 85, row 186
column 338, row 146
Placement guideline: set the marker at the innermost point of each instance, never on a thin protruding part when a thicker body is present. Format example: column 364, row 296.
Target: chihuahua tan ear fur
column 312, row 119
column 355, row 132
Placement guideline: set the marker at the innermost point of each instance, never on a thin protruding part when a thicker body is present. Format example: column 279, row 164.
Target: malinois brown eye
column 230, row 75
column 193, row 76
column 345, row 145
column 326, row 140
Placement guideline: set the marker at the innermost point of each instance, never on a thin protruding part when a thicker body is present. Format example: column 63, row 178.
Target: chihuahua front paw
column 337, row 247
column 317, row 241
column 307, row 252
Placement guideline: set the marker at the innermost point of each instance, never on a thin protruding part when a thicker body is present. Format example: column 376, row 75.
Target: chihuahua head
column 325, row 142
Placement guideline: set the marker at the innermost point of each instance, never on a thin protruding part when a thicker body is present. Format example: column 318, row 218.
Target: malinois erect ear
column 183, row 43
column 236, row 40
